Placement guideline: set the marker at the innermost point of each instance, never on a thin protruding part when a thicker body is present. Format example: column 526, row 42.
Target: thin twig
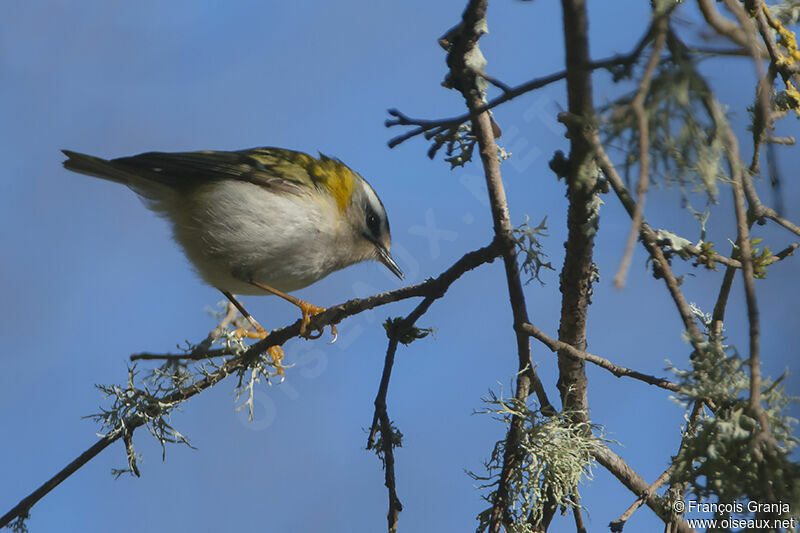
column 618, row 524
column 678, row 490
column 762, row 116
column 725, row 26
column 718, row 315
column 382, row 423
column 380, row 419
column 743, row 241
column 571, row 351
column 785, row 141
column 637, row 105
column 768, row 212
column 580, row 527
column 431, row 128
column 202, row 350
column 705, row 258
column 491, row 79
column 649, row 240
column 722, row 52
column 636, row 484
column 22, row 509
column 194, row 355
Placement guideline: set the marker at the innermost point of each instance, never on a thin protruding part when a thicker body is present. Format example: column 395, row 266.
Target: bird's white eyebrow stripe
column 372, row 198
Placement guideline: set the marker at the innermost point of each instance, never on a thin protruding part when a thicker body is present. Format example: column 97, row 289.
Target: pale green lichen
column 554, row 456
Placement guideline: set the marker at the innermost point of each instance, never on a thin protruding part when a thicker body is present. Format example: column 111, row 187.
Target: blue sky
column 90, row 276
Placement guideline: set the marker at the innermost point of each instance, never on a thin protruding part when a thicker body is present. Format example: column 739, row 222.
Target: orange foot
column 310, row 310
column 275, row 352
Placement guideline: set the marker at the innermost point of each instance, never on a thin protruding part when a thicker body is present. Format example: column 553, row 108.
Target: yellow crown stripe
column 327, row 174
column 335, row 177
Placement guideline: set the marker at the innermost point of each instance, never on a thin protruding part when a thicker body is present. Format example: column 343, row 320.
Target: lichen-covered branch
column 583, row 213
column 649, row 240
column 434, row 288
column 464, row 59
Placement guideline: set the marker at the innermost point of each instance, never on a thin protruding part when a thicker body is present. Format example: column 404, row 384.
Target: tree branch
column 637, row 106
column 446, row 126
column 571, row 351
column 649, row 240
column 726, row 27
column 380, row 420
column 618, row 524
column 382, row 423
column 463, row 55
column 430, row 288
column 582, row 213
column 743, row 241
column 628, row 476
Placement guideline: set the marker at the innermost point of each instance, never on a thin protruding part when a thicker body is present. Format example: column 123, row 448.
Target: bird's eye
column 373, row 224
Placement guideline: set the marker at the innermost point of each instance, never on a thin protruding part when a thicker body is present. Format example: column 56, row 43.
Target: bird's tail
column 97, row 167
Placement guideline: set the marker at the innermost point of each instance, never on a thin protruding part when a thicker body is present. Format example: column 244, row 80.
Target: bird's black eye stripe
column 373, row 222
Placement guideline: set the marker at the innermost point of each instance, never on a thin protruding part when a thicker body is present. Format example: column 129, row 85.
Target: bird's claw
column 259, row 333
column 275, row 352
column 310, row 311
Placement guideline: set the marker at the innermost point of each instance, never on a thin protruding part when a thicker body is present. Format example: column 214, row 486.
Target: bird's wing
column 274, row 168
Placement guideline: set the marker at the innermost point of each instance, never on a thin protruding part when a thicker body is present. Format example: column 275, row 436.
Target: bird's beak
column 386, row 258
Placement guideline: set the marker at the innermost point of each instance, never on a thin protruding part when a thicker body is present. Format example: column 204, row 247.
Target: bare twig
column 194, row 355
column 786, row 252
column 571, row 351
column 762, row 121
column 380, row 419
column 620, row 469
column 723, row 52
column 649, row 240
column 431, row 128
column 637, row 105
column 768, row 212
column 202, row 350
column 725, row 26
column 618, row 524
column 718, row 315
column 382, row 423
column 580, row 527
column 22, row 509
column 785, row 141
column 491, row 79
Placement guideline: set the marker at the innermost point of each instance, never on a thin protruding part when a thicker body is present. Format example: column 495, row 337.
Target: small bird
column 259, row 221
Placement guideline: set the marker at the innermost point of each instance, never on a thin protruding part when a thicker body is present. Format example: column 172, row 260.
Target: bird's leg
column 276, row 352
column 306, row 308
